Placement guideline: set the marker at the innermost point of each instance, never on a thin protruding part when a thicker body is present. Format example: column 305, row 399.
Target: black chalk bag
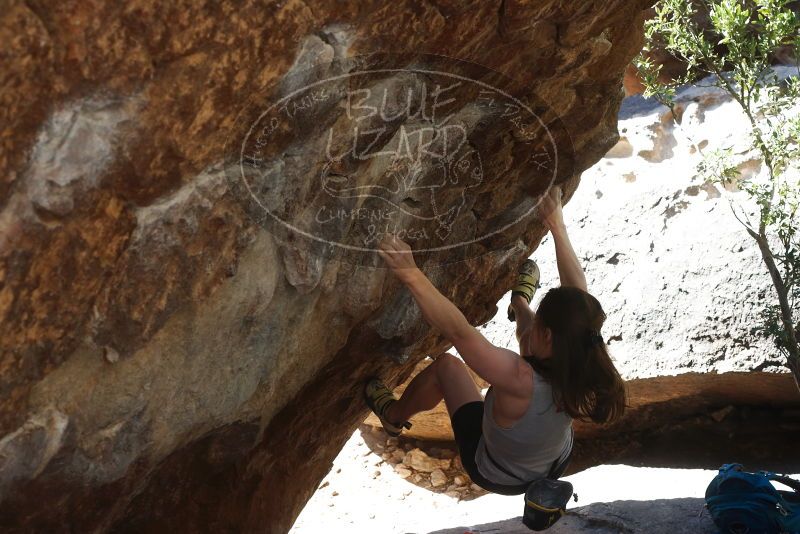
column 545, row 503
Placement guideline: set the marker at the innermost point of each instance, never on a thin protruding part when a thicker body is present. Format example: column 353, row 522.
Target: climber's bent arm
column 498, row 366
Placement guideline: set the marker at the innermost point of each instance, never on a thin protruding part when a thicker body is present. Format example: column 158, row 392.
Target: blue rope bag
column 747, row 503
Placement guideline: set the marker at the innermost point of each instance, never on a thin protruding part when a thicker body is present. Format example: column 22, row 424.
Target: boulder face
column 181, row 347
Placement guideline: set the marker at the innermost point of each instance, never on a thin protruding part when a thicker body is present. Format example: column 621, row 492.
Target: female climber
column 522, row 431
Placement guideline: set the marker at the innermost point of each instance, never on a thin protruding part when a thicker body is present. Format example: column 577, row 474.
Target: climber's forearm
column 569, row 267
column 437, row 309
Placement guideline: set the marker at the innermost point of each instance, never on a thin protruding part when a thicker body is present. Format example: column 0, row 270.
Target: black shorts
column 467, row 428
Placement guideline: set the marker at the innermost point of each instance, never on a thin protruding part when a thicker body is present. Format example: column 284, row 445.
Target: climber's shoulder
column 517, row 385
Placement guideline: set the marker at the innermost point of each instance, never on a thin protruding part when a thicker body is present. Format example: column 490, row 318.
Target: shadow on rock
column 662, row 516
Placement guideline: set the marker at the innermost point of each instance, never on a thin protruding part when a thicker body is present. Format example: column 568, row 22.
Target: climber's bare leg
column 446, row 378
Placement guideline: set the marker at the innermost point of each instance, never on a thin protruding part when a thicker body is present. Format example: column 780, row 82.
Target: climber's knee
column 447, row 361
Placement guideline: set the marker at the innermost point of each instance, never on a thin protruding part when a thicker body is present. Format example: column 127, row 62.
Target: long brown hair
column 584, row 380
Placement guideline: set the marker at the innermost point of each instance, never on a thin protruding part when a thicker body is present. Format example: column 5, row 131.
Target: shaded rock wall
column 167, row 361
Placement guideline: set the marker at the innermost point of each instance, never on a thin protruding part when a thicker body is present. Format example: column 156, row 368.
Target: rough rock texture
column 663, row 516
column 169, row 364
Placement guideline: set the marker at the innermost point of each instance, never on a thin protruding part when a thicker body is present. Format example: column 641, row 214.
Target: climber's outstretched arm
column 498, row 366
column 569, row 268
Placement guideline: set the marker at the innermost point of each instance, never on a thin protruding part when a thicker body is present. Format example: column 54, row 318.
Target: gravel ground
column 365, row 493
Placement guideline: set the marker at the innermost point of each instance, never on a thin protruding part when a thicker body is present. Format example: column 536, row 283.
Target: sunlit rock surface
column 170, row 361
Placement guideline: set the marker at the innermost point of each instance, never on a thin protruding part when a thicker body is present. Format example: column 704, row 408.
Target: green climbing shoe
column 527, row 283
column 378, row 397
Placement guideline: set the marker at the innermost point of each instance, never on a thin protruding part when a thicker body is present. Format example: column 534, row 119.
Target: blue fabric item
column 747, row 503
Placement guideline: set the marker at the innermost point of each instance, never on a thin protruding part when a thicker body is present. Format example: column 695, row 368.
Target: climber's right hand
column 398, row 256
column 550, row 208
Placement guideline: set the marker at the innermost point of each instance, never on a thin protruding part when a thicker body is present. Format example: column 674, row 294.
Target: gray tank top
column 529, row 448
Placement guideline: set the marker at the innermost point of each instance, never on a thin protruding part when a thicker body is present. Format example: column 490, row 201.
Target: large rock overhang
column 171, row 360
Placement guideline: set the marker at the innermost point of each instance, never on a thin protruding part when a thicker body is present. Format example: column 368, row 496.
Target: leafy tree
column 733, row 43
